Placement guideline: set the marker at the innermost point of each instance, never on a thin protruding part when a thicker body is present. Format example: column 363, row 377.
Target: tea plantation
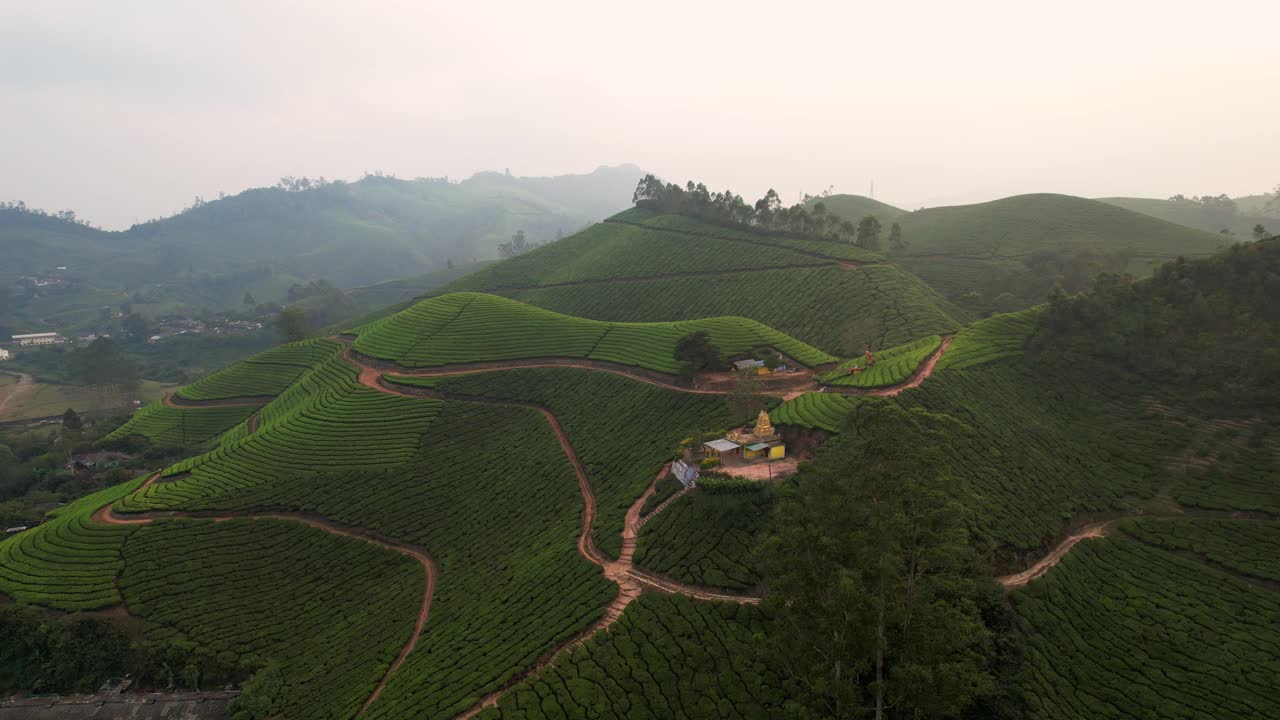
column 475, row 327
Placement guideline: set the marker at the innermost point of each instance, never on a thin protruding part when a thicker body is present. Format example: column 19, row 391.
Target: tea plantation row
column 838, row 310
column 708, row 539
column 495, row 502
column 333, row 611
column 1125, row 630
column 181, row 427
column 667, row 657
column 892, row 366
column 267, row 373
column 622, row 443
column 474, row 327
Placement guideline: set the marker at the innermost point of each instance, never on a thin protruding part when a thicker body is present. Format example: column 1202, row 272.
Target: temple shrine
column 751, row 443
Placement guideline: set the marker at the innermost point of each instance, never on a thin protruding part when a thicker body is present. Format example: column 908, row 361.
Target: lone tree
column 292, row 324
column 72, row 431
column 1259, row 232
column 872, row 578
column 698, row 351
column 869, row 233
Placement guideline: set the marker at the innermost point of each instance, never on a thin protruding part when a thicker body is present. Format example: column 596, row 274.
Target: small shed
column 687, row 474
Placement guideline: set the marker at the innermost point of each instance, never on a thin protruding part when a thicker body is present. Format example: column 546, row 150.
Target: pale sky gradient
column 125, row 110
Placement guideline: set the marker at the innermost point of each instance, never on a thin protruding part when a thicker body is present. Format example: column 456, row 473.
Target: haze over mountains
column 264, row 240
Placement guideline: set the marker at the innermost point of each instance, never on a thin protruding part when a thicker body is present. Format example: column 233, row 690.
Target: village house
column 5, row 354
column 751, row 443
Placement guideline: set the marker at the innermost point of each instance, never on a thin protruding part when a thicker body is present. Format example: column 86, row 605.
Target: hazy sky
column 125, row 110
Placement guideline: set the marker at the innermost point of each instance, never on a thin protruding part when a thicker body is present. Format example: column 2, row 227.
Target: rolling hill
column 856, row 207
column 1240, row 223
column 642, row 267
column 264, row 240
column 1007, row 254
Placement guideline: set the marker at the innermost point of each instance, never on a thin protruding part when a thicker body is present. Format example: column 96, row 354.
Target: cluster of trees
column 518, row 245
column 77, row 653
column 1212, row 202
column 768, row 213
column 19, row 208
column 882, row 605
column 1208, row 327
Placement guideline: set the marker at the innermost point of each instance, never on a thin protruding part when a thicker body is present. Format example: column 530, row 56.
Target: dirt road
column 1046, row 563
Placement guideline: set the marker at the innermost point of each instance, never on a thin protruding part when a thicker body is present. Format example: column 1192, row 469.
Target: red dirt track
column 1046, row 563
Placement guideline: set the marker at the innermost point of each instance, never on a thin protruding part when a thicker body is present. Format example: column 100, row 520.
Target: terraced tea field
column 475, row 327
column 892, row 366
column 267, row 373
column 1121, row 629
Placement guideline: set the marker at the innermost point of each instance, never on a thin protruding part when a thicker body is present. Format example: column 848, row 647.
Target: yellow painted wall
column 777, row 452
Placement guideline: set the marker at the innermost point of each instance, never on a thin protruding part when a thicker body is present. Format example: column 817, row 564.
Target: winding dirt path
column 1046, row 563
column 23, row 387
column 107, row 516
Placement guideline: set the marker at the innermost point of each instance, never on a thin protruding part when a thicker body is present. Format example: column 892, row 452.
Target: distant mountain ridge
column 263, row 240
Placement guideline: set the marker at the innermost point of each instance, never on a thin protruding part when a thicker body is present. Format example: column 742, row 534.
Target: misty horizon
column 127, row 115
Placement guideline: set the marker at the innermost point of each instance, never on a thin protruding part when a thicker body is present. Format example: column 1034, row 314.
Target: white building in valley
column 4, row 354
column 49, row 338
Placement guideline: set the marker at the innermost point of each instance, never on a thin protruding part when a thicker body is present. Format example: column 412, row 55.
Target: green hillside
column 1213, row 219
column 642, row 267
column 369, row 534
column 476, row 328
column 1007, row 254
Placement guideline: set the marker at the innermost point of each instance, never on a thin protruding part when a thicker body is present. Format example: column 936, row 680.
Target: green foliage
column 871, row 574
column 181, row 427
column 495, row 502
column 234, row 587
column 267, row 373
column 74, row 653
column 666, row 657
column 708, row 538
column 996, row 337
column 869, row 233
column 474, row 327
column 292, row 324
column 763, row 240
column 816, row 411
column 1251, row 547
column 1123, row 630
column 725, row 208
column 309, row 429
column 841, row 311
column 697, row 350
column 893, row 365
column 69, row 562
column 261, row 696
column 1210, row 327
column 1212, row 216
column 622, row 442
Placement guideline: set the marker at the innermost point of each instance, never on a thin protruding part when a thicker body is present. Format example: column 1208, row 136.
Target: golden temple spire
column 763, row 426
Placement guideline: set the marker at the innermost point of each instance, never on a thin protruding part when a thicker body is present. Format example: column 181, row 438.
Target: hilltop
column 856, row 207
column 1213, row 218
column 264, row 240
column 645, row 266
column 1007, row 254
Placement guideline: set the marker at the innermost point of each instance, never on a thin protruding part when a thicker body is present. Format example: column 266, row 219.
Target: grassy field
column 46, row 400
